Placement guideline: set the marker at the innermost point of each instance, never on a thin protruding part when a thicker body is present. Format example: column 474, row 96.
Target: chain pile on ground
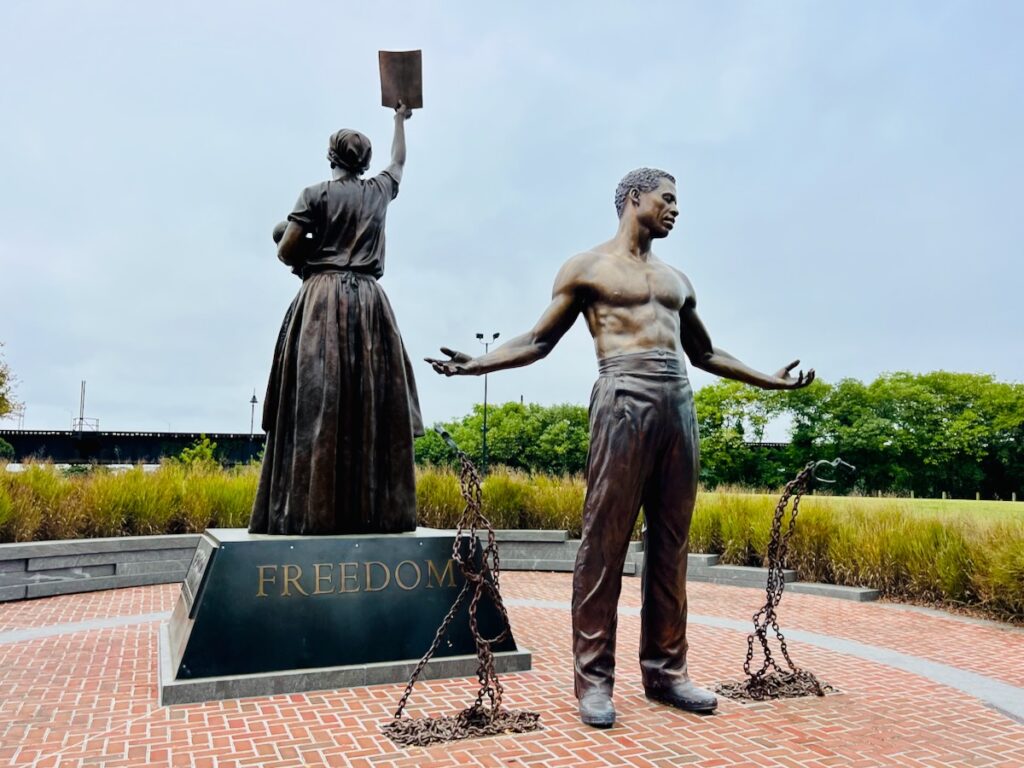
column 771, row 681
column 481, row 719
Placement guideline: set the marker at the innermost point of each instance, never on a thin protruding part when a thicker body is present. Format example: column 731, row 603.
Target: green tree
column 729, row 415
column 7, row 401
column 201, row 454
column 927, row 433
column 563, row 441
column 530, row 437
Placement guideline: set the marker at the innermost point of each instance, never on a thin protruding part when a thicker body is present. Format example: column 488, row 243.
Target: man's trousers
column 643, row 452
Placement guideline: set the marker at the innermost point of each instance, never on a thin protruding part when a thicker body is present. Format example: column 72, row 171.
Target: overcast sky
column 850, row 181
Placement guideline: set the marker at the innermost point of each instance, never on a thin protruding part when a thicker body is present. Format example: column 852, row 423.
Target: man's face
column 658, row 209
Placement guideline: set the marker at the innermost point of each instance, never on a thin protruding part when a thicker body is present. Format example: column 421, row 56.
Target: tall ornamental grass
column 952, row 559
column 42, row 503
column 511, row 499
column 897, row 546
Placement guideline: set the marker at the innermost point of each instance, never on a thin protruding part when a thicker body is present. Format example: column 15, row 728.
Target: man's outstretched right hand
column 454, row 366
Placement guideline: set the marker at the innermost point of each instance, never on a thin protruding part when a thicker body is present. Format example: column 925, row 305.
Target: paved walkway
column 78, row 688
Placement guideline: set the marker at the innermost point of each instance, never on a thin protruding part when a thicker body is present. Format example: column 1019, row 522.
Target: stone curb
column 43, row 569
column 21, row 551
column 857, row 594
column 48, row 568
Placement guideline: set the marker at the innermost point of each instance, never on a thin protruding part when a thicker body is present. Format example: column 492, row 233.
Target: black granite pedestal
column 261, row 615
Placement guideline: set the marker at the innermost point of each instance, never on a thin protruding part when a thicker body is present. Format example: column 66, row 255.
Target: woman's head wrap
column 350, row 150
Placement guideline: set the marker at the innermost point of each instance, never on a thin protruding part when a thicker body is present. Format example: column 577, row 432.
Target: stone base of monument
column 262, row 615
column 191, row 691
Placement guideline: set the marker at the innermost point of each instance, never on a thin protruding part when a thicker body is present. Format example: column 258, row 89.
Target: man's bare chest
column 632, row 285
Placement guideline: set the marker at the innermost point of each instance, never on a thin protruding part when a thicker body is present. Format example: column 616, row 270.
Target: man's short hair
column 643, row 180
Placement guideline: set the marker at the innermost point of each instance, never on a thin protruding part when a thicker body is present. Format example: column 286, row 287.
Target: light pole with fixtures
column 252, row 415
column 487, row 345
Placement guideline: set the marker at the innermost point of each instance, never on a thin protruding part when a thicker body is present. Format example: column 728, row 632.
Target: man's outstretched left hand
column 788, row 381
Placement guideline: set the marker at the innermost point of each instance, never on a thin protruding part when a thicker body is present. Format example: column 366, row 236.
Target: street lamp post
column 252, row 415
column 487, row 345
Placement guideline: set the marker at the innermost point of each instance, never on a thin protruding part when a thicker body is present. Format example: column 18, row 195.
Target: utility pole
column 78, row 425
column 487, row 345
column 81, row 408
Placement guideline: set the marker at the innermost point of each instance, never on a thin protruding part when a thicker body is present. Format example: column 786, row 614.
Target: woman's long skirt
column 340, row 415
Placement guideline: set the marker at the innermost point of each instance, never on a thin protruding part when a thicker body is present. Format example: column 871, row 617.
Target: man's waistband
column 660, row 363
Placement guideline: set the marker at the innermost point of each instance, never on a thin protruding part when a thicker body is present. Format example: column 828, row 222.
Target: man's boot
column 682, row 694
column 596, row 709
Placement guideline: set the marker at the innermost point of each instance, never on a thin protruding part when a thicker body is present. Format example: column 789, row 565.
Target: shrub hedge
column 955, row 559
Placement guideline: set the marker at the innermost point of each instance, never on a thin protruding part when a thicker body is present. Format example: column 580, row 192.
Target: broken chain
column 480, row 719
column 771, row 681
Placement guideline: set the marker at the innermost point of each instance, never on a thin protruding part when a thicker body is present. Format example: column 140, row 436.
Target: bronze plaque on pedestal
column 273, row 603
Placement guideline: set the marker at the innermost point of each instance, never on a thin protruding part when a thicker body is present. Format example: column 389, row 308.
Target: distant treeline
column 958, row 433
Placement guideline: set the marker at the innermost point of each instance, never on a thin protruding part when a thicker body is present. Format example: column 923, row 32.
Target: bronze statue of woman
column 341, row 409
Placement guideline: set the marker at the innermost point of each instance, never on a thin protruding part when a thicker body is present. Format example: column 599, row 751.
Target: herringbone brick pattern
column 982, row 649
column 89, row 698
column 70, row 609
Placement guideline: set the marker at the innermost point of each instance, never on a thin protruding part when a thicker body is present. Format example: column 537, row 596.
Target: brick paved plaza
column 78, row 687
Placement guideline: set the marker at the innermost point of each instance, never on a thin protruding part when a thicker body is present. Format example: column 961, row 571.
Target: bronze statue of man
column 341, row 409
column 642, row 314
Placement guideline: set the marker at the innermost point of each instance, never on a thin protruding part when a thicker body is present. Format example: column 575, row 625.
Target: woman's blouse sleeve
column 304, row 213
column 387, row 184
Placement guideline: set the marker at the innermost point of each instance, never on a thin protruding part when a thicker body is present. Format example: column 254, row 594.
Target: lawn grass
column 987, row 509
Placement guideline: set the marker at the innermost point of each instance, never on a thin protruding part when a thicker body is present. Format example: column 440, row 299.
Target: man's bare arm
column 529, row 347
column 704, row 355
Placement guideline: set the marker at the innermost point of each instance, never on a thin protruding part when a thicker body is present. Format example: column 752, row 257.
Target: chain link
column 480, row 719
column 771, row 681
